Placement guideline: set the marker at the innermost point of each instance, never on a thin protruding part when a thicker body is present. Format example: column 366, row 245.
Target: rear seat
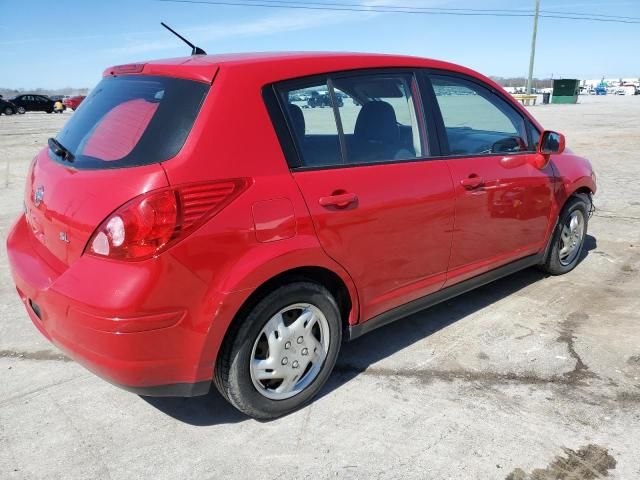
column 376, row 138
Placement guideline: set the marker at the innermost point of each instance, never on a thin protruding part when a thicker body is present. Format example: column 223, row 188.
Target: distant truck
column 601, row 89
column 627, row 89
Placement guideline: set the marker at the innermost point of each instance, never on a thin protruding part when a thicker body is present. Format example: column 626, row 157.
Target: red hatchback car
column 201, row 221
column 73, row 102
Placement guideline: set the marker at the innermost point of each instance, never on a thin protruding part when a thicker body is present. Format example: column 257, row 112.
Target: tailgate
column 64, row 206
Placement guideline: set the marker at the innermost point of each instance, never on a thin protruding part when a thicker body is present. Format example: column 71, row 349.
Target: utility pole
column 533, row 47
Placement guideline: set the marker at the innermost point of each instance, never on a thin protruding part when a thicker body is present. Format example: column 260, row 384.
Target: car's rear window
column 132, row 120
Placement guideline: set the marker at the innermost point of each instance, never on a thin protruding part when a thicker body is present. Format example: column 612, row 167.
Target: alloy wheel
column 571, row 237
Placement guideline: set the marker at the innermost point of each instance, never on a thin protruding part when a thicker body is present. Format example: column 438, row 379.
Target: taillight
column 150, row 223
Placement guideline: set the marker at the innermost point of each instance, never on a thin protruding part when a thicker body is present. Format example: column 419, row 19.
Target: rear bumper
column 109, row 354
column 144, row 326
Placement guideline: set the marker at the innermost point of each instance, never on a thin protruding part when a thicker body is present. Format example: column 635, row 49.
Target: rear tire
column 568, row 237
column 8, row 111
column 21, row 110
column 277, row 356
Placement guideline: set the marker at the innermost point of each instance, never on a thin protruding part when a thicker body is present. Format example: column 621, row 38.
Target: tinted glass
column 535, row 136
column 132, row 120
column 476, row 120
column 310, row 117
column 378, row 116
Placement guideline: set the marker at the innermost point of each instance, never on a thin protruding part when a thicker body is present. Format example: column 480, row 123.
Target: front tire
column 8, row 111
column 279, row 354
column 568, row 237
column 21, row 110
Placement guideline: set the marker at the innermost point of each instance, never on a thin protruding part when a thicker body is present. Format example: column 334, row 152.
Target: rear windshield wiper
column 60, row 150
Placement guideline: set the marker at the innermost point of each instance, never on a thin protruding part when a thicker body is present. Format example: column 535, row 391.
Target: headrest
column 297, row 120
column 377, row 123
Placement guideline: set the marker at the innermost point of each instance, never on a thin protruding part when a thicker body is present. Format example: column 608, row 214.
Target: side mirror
column 551, row 142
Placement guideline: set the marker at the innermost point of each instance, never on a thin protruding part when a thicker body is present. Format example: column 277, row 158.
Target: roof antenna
column 194, row 50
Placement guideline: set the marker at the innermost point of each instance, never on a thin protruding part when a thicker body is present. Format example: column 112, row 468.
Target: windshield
column 132, row 120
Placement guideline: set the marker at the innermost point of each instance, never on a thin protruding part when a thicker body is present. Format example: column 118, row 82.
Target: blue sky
column 70, row 42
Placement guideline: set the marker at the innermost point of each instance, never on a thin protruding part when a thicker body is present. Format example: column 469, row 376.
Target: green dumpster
column 565, row 91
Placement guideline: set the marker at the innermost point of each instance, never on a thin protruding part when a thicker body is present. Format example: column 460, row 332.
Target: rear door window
column 477, row 121
column 132, row 120
column 378, row 117
column 354, row 119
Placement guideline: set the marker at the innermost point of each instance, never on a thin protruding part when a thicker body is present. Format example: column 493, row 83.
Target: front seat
column 376, row 134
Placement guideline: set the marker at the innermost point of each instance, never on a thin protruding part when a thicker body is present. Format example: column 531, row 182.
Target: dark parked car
column 33, row 103
column 7, row 107
column 322, row 100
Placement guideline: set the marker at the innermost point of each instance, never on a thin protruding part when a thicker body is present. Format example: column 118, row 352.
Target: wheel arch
column 576, row 191
column 583, row 189
column 316, row 274
column 335, row 280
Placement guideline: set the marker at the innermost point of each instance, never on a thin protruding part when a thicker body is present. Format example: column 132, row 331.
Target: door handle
column 340, row 200
column 472, row 181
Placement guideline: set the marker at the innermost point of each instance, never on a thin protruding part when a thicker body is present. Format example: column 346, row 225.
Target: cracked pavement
column 527, row 374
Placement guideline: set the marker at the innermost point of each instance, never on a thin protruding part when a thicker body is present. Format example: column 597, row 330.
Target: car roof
column 282, row 65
